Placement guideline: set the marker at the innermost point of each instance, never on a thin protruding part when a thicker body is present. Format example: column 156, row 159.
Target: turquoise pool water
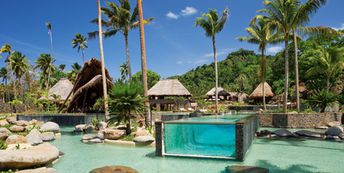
column 213, row 119
column 200, row 139
column 280, row 156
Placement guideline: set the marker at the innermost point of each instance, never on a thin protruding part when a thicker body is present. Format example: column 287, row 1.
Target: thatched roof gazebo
column 257, row 94
column 172, row 88
column 88, row 87
column 222, row 93
column 59, row 92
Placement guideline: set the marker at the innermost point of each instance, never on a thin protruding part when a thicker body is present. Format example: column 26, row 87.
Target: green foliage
column 94, row 121
column 152, row 78
column 322, row 99
column 3, row 146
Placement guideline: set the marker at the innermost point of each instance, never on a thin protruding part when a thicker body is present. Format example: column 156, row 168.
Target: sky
column 173, row 44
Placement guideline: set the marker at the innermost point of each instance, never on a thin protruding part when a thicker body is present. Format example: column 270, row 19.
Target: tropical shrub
column 321, row 99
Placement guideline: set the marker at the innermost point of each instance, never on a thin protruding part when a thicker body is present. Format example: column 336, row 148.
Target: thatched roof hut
column 88, row 87
column 258, row 92
column 220, row 92
column 168, row 87
column 60, row 91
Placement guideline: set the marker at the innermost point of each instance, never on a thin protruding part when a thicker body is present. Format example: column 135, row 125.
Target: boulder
column 15, row 139
column 35, row 156
column 79, row 128
column 113, row 134
column 35, row 122
column 88, row 137
column 34, row 137
column 141, row 132
column 11, row 120
column 284, row 133
column 4, row 130
column 21, row 123
column 100, row 135
column 3, row 123
column 144, row 139
column 333, row 123
column 18, row 146
column 50, row 127
column 16, row 128
column 114, row 169
column 3, row 136
column 307, row 133
column 101, row 125
column 38, row 170
column 334, row 131
column 95, row 140
column 329, row 137
column 246, row 169
column 48, row 136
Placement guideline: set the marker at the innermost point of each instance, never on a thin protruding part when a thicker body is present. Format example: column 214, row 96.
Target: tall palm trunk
column 216, row 77
column 83, row 56
column 48, row 81
column 102, row 63
column 297, row 92
column 127, row 54
column 263, row 74
column 286, row 73
column 14, row 86
column 148, row 118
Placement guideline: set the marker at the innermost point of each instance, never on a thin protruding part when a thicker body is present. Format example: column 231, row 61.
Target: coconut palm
column 3, row 75
column 121, row 18
column 124, row 72
column 45, row 62
column 75, row 70
column 6, row 48
column 213, row 24
column 260, row 33
column 19, row 65
column 62, row 67
column 80, row 42
column 148, row 117
column 326, row 61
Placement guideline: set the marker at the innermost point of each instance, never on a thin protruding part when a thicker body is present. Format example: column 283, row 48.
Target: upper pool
column 280, row 156
column 226, row 119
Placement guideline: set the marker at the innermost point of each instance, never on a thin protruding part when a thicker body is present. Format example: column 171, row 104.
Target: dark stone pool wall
column 63, row 119
column 301, row 120
column 178, row 116
column 159, row 139
column 245, row 133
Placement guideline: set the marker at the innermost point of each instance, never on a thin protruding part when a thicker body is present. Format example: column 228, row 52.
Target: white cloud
column 188, row 11
column 218, row 53
column 171, row 15
column 274, row 49
column 339, row 28
column 180, row 62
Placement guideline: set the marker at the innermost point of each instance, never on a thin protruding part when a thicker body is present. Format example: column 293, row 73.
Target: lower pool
column 280, row 156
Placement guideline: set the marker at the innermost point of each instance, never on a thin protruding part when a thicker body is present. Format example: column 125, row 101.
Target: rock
column 4, row 130
column 284, row 133
column 334, row 131
column 246, row 169
column 329, row 137
column 35, row 156
column 263, row 133
column 341, row 136
column 18, row 146
column 3, row 136
column 89, row 136
column 144, row 139
column 35, row 122
column 21, row 123
column 141, row 132
column 38, row 170
column 321, row 127
column 79, row 127
column 47, row 136
column 15, row 139
column 113, row 134
column 3, row 123
column 100, row 135
column 34, row 137
column 96, row 140
column 307, row 133
column 89, row 128
column 333, row 123
column 101, row 125
column 114, row 169
column 16, row 128
column 50, row 127
column 11, row 120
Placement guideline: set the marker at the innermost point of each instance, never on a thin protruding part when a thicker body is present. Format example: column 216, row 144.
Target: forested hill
column 238, row 72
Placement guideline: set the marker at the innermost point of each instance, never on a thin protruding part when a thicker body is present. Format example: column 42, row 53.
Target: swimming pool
column 280, row 156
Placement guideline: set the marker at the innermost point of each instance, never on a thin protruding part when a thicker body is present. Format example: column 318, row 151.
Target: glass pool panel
column 200, row 139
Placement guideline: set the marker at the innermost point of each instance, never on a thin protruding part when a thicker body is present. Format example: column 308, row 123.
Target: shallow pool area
column 280, row 156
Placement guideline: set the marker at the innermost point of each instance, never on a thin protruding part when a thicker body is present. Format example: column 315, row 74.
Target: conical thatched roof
column 169, row 87
column 258, row 92
column 220, row 91
column 60, row 90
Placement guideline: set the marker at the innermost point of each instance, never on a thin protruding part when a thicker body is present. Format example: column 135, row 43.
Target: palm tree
column 6, row 48
column 212, row 24
column 19, row 65
column 126, row 100
column 3, row 75
column 50, row 32
column 105, row 96
column 121, row 19
column 74, row 72
column 45, row 62
column 62, row 67
column 326, row 61
column 279, row 15
column 80, row 42
column 260, row 33
column 124, row 72
column 148, row 117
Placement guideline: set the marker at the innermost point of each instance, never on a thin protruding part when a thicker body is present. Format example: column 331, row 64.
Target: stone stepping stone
column 284, row 133
column 307, row 133
column 246, row 169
